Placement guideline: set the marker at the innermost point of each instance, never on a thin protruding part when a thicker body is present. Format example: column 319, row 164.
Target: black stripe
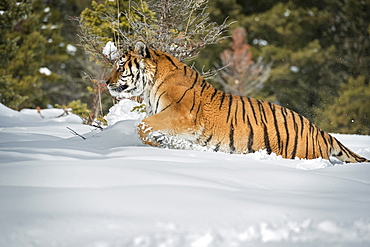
column 273, row 110
column 217, row 147
column 183, row 95
column 166, row 107
column 236, row 113
column 262, row 109
column 192, row 86
column 302, row 124
column 135, row 79
column 195, row 80
column 204, row 85
column 308, row 133
column 192, row 107
column 157, row 104
column 214, row 94
column 231, row 137
column 222, row 100
column 313, row 140
column 243, row 106
column 208, row 140
column 185, row 70
column 284, row 113
column 296, row 137
column 266, row 139
column 324, row 139
column 331, row 140
column 192, row 72
column 156, row 91
column 254, row 113
column 349, row 153
column 143, row 79
column 129, row 65
column 317, row 143
column 125, row 76
column 344, row 149
column 136, row 64
column 230, row 105
column 250, row 137
column 170, row 59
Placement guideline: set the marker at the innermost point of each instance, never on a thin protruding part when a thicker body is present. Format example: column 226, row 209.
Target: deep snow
column 57, row 189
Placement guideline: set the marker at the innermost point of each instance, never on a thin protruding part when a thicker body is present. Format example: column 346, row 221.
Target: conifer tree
column 316, row 46
column 240, row 74
column 32, row 47
column 350, row 111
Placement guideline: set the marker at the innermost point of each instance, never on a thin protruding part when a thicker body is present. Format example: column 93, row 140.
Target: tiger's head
column 132, row 72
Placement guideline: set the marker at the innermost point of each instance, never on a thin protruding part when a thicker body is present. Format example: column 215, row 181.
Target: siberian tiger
column 180, row 103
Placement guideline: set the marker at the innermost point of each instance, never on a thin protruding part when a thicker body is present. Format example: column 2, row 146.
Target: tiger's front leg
column 168, row 130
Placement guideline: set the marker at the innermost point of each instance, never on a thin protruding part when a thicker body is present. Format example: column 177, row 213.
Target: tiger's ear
column 141, row 49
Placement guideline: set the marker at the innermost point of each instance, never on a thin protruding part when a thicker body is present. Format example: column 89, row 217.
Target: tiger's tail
column 344, row 154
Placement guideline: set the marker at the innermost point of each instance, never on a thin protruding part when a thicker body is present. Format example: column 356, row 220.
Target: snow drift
column 57, row 189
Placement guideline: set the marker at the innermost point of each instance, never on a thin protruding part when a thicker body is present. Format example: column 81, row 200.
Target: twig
column 39, row 111
column 65, row 112
column 97, row 126
column 75, row 133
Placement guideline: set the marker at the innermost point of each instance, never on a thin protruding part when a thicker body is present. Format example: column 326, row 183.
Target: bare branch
column 75, row 133
column 180, row 28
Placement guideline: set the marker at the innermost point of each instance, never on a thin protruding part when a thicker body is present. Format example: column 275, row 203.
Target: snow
column 111, row 51
column 123, row 110
column 294, row 69
column 71, row 50
column 45, row 70
column 57, row 189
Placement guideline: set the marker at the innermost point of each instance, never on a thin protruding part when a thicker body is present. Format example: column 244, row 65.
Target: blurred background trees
column 40, row 63
column 239, row 74
column 310, row 56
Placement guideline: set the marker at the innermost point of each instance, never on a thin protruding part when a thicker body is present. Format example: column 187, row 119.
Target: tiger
column 180, row 103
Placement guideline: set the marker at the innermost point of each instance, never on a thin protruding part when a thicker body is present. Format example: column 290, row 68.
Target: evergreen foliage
column 350, row 111
column 78, row 108
column 20, row 80
column 320, row 51
column 31, row 39
column 101, row 23
column 315, row 46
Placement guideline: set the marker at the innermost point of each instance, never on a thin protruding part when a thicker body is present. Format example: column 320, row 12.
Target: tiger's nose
column 107, row 82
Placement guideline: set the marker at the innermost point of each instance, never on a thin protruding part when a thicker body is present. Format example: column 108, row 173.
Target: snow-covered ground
column 57, row 189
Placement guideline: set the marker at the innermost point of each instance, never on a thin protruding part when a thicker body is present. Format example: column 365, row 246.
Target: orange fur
column 181, row 103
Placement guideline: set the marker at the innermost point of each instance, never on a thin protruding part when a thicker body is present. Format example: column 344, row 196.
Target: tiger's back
column 236, row 124
column 181, row 103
